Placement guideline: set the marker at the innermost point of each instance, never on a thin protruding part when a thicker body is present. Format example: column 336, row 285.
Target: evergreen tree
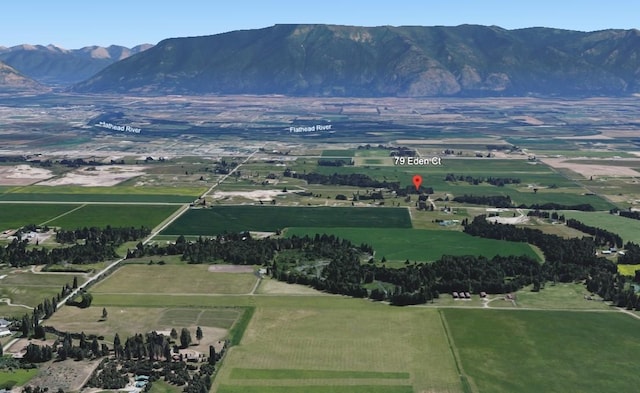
column 198, row 334
column 185, row 338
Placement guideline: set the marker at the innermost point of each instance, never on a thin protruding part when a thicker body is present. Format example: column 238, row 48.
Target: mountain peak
column 53, row 64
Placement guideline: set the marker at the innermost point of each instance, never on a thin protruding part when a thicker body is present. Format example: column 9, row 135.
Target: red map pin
column 417, row 181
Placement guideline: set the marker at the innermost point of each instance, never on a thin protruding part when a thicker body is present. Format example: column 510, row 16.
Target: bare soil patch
column 69, row 375
column 22, row 175
column 256, row 195
column 269, row 286
column 230, row 269
column 101, row 176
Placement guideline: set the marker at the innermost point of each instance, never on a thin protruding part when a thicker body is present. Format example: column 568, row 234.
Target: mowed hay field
column 627, row 228
column 218, row 219
column 127, row 321
column 334, row 344
column 546, row 351
column 420, row 245
column 174, row 279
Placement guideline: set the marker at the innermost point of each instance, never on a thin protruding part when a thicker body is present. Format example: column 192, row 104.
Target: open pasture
column 25, row 288
column 126, row 321
column 339, row 345
column 218, row 219
column 627, row 228
column 420, row 245
column 16, row 215
column 546, row 351
column 114, row 215
column 175, row 279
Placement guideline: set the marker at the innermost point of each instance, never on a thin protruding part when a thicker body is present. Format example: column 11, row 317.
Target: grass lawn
column 420, row 245
column 218, row 219
column 115, row 216
column 628, row 270
column 174, row 279
column 335, row 344
column 546, row 351
column 9, row 379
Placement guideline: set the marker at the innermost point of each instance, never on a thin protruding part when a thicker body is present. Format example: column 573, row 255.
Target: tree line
column 242, row 249
column 602, row 237
column 99, row 245
column 504, row 201
column 495, row 181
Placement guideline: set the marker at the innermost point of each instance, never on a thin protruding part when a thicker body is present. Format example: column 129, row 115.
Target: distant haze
column 74, row 24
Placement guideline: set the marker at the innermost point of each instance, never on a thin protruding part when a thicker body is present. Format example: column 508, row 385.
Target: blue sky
column 77, row 23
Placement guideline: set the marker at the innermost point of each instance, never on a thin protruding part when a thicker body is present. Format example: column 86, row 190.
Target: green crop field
column 328, row 344
column 546, row 351
column 16, row 215
column 420, row 245
column 175, row 279
column 115, row 216
column 103, row 194
column 627, row 228
column 219, row 219
column 338, row 153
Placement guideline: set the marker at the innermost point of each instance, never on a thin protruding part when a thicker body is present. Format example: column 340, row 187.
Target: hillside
column 327, row 60
column 12, row 81
column 58, row 66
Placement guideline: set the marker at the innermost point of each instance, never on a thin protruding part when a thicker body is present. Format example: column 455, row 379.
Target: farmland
column 218, row 219
column 334, row 346
column 176, row 279
column 114, row 215
column 291, row 338
column 547, row 351
column 396, row 244
column 13, row 216
column 627, row 228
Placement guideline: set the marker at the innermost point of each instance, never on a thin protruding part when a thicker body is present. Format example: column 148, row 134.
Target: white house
column 4, row 332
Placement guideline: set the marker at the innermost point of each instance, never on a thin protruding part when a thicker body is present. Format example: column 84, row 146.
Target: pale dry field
column 22, row 175
column 100, row 176
column 599, row 168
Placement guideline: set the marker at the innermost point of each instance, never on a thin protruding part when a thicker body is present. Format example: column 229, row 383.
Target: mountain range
column 52, row 65
column 328, row 60
column 331, row 60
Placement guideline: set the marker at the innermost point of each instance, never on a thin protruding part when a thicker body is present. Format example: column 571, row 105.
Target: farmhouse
column 4, row 332
column 4, row 323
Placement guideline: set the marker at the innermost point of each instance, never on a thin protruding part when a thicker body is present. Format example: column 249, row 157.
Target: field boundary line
column 218, row 182
column 64, row 214
column 464, row 379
